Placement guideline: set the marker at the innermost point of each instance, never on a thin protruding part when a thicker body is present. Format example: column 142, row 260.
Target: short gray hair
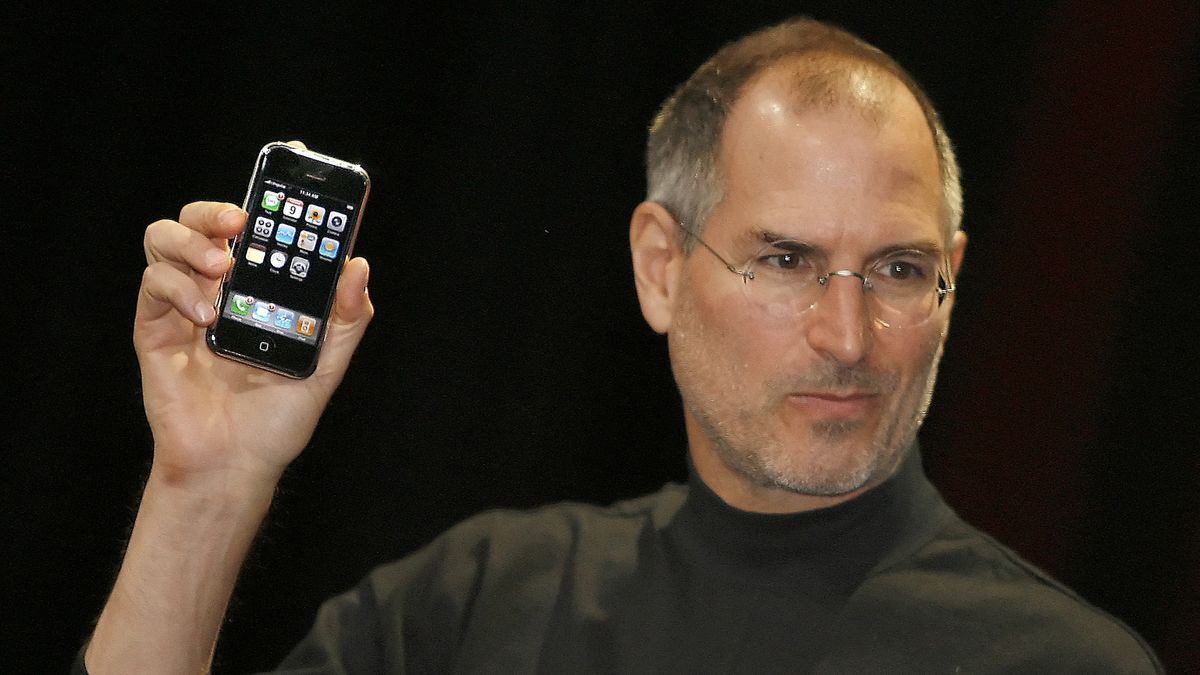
column 685, row 138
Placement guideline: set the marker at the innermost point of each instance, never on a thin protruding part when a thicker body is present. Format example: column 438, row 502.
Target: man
column 798, row 248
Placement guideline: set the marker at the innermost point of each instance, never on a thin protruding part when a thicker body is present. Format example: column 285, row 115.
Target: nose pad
column 824, row 279
column 841, row 318
column 856, row 290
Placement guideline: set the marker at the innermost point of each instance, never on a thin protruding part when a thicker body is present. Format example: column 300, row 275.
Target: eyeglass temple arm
column 746, row 275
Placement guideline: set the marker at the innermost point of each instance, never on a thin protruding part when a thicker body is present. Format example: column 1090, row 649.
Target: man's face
column 826, row 402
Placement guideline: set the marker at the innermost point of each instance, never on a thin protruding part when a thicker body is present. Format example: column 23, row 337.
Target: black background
column 508, row 364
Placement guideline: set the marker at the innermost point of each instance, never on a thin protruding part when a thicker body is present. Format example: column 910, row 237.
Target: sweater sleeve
column 406, row 615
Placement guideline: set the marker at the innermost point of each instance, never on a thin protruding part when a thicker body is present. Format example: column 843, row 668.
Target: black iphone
column 304, row 210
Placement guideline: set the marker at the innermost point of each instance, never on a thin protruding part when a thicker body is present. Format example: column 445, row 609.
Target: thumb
column 352, row 301
column 352, row 311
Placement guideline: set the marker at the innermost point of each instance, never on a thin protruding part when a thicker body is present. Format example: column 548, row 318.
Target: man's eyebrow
column 927, row 246
column 787, row 242
column 784, row 241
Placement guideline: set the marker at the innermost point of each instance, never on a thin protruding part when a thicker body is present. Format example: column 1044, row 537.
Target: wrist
column 192, row 532
column 213, row 480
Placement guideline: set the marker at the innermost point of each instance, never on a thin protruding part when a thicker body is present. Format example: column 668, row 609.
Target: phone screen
column 303, row 215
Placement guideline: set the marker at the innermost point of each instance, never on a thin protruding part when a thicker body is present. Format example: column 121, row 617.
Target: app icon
column 315, row 214
column 285, row 318
column 285, row 234
column 263, row 227
column 278, row 259
column 262, row 311
column 308, row 240
column 299, row 266
column 256, row 253
column 306, row 326
column 292, row 208
column 337, row 221
column 271, row 200
column 329, row 248
column 241, row 304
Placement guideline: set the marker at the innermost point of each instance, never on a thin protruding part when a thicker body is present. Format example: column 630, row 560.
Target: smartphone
column 304, row 211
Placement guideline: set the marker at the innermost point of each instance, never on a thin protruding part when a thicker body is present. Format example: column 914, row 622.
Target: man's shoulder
column 571, row 520
column 539, row 541
column 975, row 593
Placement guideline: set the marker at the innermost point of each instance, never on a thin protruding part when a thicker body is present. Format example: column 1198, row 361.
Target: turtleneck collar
column 827, row 550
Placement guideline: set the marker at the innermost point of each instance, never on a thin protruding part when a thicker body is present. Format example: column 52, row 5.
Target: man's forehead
column 819, row 83
column 826, row 81
column 852, row 148
column 872, row 113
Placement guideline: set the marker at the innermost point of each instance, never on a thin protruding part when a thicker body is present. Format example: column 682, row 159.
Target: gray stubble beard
column 753, row 459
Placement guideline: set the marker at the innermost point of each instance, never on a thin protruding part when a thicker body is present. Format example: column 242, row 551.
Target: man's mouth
column 845, row 404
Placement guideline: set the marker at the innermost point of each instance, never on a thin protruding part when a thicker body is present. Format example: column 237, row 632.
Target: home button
column 265, row 345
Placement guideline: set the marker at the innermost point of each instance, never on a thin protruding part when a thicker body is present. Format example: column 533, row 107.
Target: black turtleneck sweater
column 679, row 582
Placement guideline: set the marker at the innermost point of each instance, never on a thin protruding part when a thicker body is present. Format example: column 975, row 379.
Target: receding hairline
column 834, row 82
column 687, row 133
column 831, row 84
column 827, row 80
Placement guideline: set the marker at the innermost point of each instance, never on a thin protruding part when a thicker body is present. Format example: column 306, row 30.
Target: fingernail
column 230, row 217
column 204, row 312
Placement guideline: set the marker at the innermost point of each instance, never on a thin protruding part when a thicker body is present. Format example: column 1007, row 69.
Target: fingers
column 164, row 287
column 298, row 144
column 177, row 249
column 186, row 249
column 216, row 220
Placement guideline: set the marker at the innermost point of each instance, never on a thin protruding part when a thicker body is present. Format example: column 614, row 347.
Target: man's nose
column 840, row 323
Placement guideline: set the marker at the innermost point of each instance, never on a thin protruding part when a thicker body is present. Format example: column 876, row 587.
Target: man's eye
column 905, row 270
column 900, row 270
column 785, row 261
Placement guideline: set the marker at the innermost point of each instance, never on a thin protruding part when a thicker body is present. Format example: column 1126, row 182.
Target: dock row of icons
column 269, row 313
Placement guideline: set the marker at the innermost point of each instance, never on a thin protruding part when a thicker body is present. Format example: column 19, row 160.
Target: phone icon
column 292, row 208
column 285, row 319
column 241, row 304
column 285, row 234
column 308, row 240
column 306, row 326
column 299, row 267
column 256, row 253
column 337, row 221
column 263, row 227
column 315, row 214
column 329, row 247
column 271, row 200
column 278, row 259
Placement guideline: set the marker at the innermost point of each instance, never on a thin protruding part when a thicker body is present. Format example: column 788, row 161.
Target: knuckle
column 152, row 276
column 159, row 238
column 187, row 209
column 194, row 214
column 153, row 229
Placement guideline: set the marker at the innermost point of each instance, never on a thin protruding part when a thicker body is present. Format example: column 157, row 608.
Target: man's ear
column 657, row 260
column 958, row 249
